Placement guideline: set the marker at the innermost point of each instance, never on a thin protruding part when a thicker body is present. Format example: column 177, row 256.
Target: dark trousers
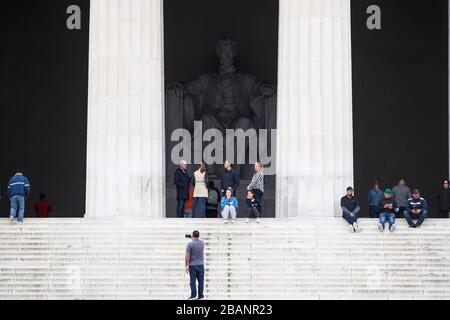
column 399, row 213
column 349, row 218
column 373, row 212
column 180, row 208
column 253, row 213
column 197, row 273
column 409, row 216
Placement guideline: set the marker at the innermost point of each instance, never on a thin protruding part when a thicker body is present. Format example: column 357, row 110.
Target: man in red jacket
column 42, row 207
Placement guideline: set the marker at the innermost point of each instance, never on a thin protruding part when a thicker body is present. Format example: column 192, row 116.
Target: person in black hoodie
column 387, row 208
column 444, row 199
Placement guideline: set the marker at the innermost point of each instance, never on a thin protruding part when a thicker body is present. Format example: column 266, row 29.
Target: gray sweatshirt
column 401, row 194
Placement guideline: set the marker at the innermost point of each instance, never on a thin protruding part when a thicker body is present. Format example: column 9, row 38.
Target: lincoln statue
column 225, row 99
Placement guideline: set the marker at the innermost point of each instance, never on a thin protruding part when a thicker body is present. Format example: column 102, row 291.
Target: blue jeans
column 387, row 216
column 197, row 273
column 17, row 204
column 202, row 207
column 349, row 218
column 409, row 216
column 180, row 208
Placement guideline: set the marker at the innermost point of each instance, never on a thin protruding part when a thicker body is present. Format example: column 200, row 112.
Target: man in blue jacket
column 416, row 209
column 182, row 181
column 18, row 189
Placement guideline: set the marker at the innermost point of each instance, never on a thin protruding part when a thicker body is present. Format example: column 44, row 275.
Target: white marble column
column 314, row 141
column 125, row 153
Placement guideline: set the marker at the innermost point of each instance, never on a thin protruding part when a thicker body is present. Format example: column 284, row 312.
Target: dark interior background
column 191, row 31
column 400, row 96
column 43, row 101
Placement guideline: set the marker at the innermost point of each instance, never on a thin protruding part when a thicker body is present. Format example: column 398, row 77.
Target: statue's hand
column 176, row 90
column 267, row 91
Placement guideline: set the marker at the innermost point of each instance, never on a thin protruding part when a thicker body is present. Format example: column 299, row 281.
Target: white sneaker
column 225, row 221
column 356, row 227
column 233, row 221
column 12, row 220
column 247, row 221
column 380, row 227
column 393, row 228
column 258, row 220
column 350, row 228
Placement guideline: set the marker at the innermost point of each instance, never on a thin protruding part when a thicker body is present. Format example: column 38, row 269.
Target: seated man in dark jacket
column 387, row 209
column 350, row 207
column 416, row 209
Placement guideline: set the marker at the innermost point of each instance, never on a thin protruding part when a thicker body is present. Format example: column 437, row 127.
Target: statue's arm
column 197, row 87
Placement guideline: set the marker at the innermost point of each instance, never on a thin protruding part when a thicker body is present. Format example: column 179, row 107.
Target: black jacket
column 230, row 179
column 444, row 199
column 350, row 204
column 182, row 180
column 254, row 204
column 384, row 202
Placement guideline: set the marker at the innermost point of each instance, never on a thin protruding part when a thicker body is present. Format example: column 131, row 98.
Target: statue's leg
column 251, row 142
column 209, row 121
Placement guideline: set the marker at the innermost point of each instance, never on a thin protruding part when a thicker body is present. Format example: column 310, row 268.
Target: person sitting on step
column 253, row 207
column 387, row 208
column 416, row 209
column 229, row 205
column 350, row 207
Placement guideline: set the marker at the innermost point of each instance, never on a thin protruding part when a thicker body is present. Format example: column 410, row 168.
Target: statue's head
column 226, row 50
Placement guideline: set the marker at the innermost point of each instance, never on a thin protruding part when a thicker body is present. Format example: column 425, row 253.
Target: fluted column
column 314, row 140
column 125, row 153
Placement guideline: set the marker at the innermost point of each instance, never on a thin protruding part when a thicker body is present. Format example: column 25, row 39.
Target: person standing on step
column 42, row 207
column 230, row 178
column 182, row 182
column 444, row 199
column 401, row 193
column 18, row 190
column 417, row 209
column 200, row 190
column 374, row 197
column 257, row 183
column 253, row 207
column 229, row 205
column 195, row 265
column 350, row 207
column 387, row 208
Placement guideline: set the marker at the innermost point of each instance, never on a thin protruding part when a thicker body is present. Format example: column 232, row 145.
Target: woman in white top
column 200, row 190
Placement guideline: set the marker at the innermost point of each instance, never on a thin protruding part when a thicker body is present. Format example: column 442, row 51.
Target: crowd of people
column 394, row 203
column 198, row 189
column 18, row 190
